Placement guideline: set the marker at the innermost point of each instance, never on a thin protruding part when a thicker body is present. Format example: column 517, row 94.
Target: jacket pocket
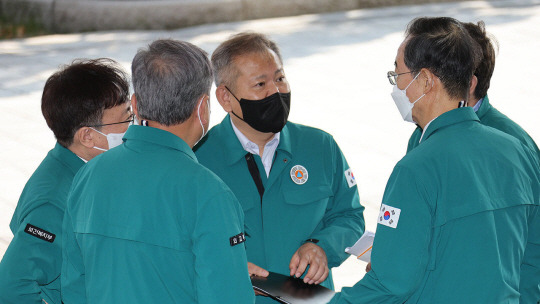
column 307, row 195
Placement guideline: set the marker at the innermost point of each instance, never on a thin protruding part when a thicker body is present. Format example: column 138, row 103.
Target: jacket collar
column 450, row 118
column 158, row 137
column 65, row 156
column 285, row 141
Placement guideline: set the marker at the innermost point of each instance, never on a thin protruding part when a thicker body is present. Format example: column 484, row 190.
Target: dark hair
column 485, row 68
column 77, row 94
column 168, row 78
column 242, row 43
column 443, row 46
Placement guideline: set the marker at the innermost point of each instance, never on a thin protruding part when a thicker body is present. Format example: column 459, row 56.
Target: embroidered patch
column 237, row 239
column 350, row 177
column 299, row 175
column 39, row 233
column 389, row 216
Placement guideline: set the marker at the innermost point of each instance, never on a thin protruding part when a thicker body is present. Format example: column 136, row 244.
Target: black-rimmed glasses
column 130, row 120
column 392, row 76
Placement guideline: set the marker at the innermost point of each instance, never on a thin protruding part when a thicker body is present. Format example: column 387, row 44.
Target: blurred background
column 336, row 54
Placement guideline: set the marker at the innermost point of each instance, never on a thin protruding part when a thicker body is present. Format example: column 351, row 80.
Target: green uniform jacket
column 325, row 207
column 489, row 116
column 30, row 268
column 469, row 209
column 145, row 223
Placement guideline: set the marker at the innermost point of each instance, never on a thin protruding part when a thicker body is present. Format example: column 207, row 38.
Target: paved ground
column 336, row 64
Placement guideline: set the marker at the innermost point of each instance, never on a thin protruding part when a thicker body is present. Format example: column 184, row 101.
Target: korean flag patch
column 388, row 216
column 350, row 177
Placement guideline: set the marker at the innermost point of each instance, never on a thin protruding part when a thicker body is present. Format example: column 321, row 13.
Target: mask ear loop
column 232, row 93
column 238, row 101
column 98, row 148
column 411, row 81
column 200, row 120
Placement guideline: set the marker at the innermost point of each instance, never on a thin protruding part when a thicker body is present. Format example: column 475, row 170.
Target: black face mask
column 268, row 114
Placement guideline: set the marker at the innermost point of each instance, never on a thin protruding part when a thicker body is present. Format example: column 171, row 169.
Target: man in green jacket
column 297, row 191
column 86, row 105
column 462, row 210
column 489, row 116
column 478, row 98
column 146, row 223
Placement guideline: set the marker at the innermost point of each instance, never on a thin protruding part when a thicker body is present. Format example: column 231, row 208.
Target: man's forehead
column 400, row 53
column 257, row 63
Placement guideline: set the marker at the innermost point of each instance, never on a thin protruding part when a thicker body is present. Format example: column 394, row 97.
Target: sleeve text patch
column 39, row 233
column 237, row 239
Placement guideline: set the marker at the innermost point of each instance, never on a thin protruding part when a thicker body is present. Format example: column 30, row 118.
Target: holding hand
column 255, row 270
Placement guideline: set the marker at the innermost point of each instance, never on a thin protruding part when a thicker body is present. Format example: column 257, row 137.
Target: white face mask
column 200, row 121
column 113, row 139
column 403, row 103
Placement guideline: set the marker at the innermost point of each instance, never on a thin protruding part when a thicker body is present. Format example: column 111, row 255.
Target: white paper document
column 362, row 247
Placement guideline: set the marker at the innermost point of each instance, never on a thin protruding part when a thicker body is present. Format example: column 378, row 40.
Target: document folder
column 290, row 290
column 362, row 247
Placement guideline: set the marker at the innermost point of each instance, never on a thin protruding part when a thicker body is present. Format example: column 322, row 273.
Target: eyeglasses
column 392, row 76
column 130, row 120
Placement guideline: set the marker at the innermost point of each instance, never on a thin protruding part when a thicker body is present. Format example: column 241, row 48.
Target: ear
column 224, row 98
column 474, row 83
column 134, row 105
column 428, row 80
column 205, row 108
column 85, row 136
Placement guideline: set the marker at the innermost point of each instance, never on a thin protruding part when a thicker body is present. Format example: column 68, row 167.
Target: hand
column 314, row 256
column 368, row 267
column 255, row 270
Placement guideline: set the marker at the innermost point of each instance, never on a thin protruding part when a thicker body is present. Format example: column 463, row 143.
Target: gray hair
column 169, row 77
column 243, row 43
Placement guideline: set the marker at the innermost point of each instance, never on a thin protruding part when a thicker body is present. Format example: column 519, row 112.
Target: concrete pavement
column 336, row 64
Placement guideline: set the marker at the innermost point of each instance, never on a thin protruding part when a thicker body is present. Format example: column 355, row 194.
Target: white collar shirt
column 251, row 147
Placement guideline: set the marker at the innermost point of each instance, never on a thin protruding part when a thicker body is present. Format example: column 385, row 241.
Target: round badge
column 299, row 175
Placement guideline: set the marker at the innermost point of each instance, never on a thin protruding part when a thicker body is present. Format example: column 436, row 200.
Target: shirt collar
column 235, row 152
column 250, row 146
column 484, row 107
column 450, row 118
column 478, row 104
column 158, row 137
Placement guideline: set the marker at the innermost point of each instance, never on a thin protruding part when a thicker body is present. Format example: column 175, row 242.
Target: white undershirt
column 251, row 147
column 425, row 128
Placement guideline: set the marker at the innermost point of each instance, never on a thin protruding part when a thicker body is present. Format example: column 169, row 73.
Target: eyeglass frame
column 392, row 76
column 130, row 120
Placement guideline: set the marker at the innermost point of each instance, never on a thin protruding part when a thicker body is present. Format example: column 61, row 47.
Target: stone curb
column 64, row 16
